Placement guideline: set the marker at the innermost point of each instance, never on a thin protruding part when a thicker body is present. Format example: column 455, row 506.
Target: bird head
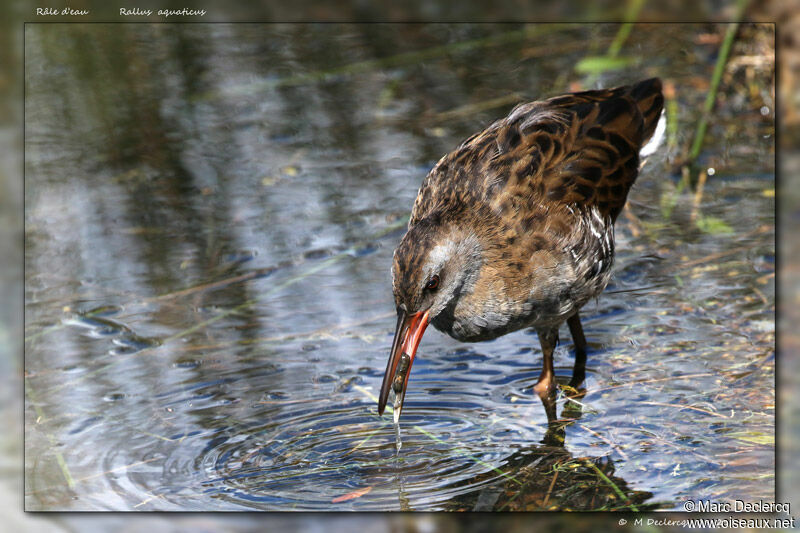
column 435, row 263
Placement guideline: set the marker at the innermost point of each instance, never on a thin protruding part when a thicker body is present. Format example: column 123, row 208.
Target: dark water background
column 210, row 216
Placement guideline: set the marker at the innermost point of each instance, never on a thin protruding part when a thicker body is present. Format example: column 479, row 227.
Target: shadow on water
column 210, row 216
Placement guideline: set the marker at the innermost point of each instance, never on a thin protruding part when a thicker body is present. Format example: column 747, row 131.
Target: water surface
column 210, row 216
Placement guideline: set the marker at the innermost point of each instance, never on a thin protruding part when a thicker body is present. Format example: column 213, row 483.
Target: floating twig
column 602, row 438
column 214, row 284
column 475, row 107
column 550, row 490
column 681, row 406
column 646, row 381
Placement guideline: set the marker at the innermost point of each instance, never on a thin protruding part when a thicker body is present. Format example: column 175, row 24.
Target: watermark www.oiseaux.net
column 737, row 506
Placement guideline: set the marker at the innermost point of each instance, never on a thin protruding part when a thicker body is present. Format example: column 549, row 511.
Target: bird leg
column 549, row 404
column 579, row 370
column 546, row 385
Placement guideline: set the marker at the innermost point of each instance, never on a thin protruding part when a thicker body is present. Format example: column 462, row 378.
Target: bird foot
column 545, row 387
column 577, row 379
column 575, row 388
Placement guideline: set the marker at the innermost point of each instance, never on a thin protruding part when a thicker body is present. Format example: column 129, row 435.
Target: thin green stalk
column 291, row 281
column 255, row 273
column 143, row 351
column 460, row 451
column 631, row 14
column 238, row 279
column 62, row 463
column 405, row 58
column 60, row 325
column 466, row 454
column 719, row 69
column 212, row 320
column 671, row 109
column 366, row 439
column 44, row 331
column 519, row 493
column 611, row 484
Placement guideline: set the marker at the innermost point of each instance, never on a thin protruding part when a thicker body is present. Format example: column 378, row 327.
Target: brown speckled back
column 580, row 149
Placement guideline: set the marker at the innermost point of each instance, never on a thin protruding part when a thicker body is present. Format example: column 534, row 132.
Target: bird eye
column 433, row 283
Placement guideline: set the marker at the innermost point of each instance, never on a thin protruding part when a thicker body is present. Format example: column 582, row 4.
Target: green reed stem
column 716, row 77
column 405, row 58
column 291, row 281
column 630, row 16
column 461, row 451
column 62, row 463
column 611, row 484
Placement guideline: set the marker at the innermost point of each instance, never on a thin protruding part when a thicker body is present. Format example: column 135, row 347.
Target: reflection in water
column 210, row 216
column 548, row 477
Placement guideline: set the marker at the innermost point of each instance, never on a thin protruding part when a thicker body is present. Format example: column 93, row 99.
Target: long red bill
column 407, row 336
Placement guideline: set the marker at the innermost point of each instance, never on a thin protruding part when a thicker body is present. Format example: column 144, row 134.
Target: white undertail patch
column 658, row 136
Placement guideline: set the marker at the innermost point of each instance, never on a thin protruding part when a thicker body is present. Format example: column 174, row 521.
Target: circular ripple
column 329, row 450
column 321, row 460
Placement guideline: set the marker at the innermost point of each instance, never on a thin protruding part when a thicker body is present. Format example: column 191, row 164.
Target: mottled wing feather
column 580, row 149
column 609, row 130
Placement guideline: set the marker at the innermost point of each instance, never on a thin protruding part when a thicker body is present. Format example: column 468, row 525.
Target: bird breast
column 552, row 286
